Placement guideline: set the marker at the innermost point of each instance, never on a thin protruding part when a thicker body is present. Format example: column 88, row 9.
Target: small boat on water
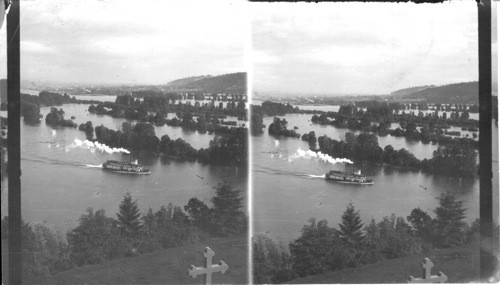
column 125, row 167
column 348, row 177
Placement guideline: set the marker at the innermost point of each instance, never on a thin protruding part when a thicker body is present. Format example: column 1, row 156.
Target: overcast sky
column 130, row 42
column 303, row 48
column 370, row 48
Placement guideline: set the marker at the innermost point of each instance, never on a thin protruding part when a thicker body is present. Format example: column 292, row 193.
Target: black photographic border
column 489, row 246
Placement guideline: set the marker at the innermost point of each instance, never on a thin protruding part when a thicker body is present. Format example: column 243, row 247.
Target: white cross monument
column 211, row 268
column 427, row 277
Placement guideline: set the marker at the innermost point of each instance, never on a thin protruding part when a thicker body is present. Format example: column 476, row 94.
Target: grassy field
column 169, row 266
column 460, row 264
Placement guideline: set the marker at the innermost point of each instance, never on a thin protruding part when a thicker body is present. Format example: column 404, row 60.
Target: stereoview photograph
column 365, row 143
column 238, row 142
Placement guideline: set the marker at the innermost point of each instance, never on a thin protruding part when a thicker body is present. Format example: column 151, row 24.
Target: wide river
column 288, row 191
column 58, row 185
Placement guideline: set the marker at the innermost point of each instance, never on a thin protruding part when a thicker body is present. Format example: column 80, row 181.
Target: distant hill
column 457, row 93
column 411, row 90
column 227, row 83
column 188, row 80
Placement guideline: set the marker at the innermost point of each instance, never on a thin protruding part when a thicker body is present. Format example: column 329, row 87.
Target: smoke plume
column 319, row 155
column 94, row 146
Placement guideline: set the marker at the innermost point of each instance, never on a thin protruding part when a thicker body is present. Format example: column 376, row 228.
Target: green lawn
column 168, row 266
column 460, row 264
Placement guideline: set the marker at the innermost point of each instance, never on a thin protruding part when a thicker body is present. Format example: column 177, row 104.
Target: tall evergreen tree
column 374, row 243
column 421, row 223
column 271, row 262
column 198, row 212
column 150, row 225
column 450, row 228
column 312, row 252
column 226, row 216
column 351, row 227
column 129, row 216
column 93, row 239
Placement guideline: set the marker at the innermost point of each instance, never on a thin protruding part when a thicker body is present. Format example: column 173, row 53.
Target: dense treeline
column 30, row 106
column 383, row 112
column 99, row 237
column 432, row 125
column 209, row 117
column 125, row 106
column 321, row 248
column 227, row 148
column 206, row 124
column 188, row 96
column 43, row 251
column 46, row 98
column 423, row 106
column 269, row 108
column 456, row 160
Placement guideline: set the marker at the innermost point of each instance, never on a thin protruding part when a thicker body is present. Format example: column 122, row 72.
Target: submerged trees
column 457, row 160
column 256, row 124
column 56, row 118
column 30, row 112
column 279, row 128
column 88, row 129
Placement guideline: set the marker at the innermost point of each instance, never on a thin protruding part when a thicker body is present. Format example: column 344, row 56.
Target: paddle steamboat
column 348, row 177
column 125, row 167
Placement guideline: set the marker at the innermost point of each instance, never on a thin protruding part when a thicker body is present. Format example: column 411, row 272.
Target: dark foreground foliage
column 99, row 237
column 321, row 248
